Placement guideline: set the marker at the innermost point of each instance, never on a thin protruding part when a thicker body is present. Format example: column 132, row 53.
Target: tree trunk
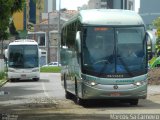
column 2, row 47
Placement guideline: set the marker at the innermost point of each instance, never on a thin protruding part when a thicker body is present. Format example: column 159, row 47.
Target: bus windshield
column 114, row 51
column 23, row 56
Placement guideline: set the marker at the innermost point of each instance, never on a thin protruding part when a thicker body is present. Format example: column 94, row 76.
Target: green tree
column 156, row 23
column 5, row 13
column 17, row 5
column 7, row 8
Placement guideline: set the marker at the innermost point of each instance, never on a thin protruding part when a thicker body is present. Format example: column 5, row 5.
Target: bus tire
column 12, row 80
column 36, row 79
column 68, row 95
column 79, row 101
column 134, row 102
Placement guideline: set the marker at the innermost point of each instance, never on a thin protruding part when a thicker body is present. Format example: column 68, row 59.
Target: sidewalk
column 153, row 89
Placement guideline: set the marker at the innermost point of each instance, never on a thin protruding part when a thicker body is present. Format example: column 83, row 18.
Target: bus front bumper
column 23, row 76
column 114, row 91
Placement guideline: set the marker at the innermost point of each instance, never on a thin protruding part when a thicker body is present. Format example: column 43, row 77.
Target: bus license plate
column 23, row 76
column 115, row 94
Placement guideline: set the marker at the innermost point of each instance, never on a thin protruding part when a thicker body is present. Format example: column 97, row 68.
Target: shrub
column 51, row 69
column 2, row 75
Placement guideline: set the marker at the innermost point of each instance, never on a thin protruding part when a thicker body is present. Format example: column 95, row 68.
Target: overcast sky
column 73, row 4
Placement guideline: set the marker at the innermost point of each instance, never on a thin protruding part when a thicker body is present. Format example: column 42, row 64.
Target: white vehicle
column 52, row 64
column 94, row 45
column 23, row 60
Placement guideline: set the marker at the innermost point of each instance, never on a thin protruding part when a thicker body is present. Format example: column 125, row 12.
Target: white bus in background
column 23, row 60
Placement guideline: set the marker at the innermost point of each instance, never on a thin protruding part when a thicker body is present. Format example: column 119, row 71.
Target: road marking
column 4, row 93
column 44, row 90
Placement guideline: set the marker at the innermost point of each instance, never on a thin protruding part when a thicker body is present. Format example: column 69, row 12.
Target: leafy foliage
column 51, row 69
column 17, row 5
column 2, row 75
column 5, row 13
column 156, row 23
column 7, row 8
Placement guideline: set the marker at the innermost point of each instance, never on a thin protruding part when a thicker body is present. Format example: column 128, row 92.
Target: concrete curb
column 3, row 83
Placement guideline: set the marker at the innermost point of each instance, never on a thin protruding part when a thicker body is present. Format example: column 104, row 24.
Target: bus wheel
column 134, row 102
column 12, row 80
column 68, row 95
column 36, row 79
column 79, row 101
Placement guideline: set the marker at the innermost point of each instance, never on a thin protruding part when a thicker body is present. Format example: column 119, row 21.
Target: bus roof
column 24, row 42
column 107, row 17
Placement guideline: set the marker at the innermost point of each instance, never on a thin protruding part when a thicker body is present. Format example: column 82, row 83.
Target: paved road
column 24, row 91
column 45, row 100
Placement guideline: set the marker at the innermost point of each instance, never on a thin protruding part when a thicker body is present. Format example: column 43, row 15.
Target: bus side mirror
column 6, row 53
column 151, row 44
column 78, row 41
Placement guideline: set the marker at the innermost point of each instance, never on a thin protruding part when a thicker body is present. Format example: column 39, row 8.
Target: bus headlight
column 140, row 83
column 91, row 83
column 35, row 70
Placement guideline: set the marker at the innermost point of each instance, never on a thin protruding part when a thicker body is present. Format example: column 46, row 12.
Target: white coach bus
column 23, row 60
column 104, row 56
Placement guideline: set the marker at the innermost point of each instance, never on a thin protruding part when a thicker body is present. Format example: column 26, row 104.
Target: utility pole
column 48, row 41
column 59, row 33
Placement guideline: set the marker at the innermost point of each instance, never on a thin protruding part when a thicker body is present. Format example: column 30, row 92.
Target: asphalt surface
column 44, row 100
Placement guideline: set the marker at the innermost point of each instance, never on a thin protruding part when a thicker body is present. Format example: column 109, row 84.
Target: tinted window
column 23, row 56
column 114, row 50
